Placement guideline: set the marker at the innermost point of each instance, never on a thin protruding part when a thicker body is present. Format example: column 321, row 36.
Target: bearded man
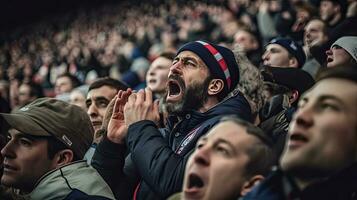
column 201, row 76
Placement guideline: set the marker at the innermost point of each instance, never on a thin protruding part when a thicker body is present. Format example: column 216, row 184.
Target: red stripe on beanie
column 220, row 60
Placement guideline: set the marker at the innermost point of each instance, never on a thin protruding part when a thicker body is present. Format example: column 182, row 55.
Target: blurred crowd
column 273, row 51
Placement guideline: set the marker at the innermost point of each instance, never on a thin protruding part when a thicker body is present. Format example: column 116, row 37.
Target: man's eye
column 327, row 106
column 25, row 142
column 102, row 104
column 222, row 150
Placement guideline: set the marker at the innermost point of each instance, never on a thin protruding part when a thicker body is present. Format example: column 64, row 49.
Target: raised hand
column 141, row 106
column 117, row 128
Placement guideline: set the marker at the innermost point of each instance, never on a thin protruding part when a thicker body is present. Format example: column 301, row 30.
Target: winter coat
column 279, row 186
column 160, row 156
column 76, row 180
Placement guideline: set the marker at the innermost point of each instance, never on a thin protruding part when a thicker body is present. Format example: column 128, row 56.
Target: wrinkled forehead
column 188, row 54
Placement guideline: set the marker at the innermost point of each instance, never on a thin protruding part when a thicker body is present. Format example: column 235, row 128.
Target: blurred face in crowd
column 25, row 95
column 63, row 84
column 25, row 161
column 246, row 41
column 157, row 75
column 322, row 134
column 216, row 169
column 77, row 98
column 314, row 33
column 188, row 83
column 97, row 102
column 277, row 56
column 327, row 10
column 338, row 57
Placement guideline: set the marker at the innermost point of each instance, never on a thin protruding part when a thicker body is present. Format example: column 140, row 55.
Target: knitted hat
column 293, row 48
column 348, row 43
column 219, row 60
column 68, row 123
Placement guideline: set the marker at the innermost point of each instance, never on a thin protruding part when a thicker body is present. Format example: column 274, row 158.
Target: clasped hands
column 130, row 107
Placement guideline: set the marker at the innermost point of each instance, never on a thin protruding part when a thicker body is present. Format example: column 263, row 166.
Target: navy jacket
column 160, row 156
column 279, row 186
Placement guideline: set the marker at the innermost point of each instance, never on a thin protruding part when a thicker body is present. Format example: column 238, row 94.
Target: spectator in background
column 28, row 92
column 283, row 52
column 228, row 162
column 283, row 89
column 315, row 34
column 343, row 52
column 320, row 156
column 157, row 75
column 78, row 97
column 100, row 93
column 249, row 43
column 48, row 139
column 332, row 12
column 64, row 84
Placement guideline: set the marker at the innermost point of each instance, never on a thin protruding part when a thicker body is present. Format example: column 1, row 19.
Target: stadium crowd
column 216, row 99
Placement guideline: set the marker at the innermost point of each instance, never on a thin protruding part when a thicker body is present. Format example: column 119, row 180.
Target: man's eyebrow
column 220, row 140
column 330, row 97
column 101, row 98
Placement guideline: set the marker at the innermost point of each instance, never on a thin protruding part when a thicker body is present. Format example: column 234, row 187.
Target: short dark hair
column 107, row 81
column 74, row 80
column 261, row 154
column 168, row 55
column 347, row 73
column 36, row 90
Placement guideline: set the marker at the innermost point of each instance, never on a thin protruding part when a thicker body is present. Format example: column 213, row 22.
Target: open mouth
column 329, row 59
column 195, row 181
column 8, row 168
column 175, row 87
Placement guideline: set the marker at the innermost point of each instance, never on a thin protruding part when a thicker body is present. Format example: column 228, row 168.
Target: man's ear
column 293, row 62
column 63, row 157
column 249, row 184
column 293, row 96
column 215, row 86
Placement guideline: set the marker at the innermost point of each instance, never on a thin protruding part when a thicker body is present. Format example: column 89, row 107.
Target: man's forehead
column 338, row 88
column 274, row 46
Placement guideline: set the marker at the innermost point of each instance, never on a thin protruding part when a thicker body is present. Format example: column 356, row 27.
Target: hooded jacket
column 160, row 156
column 76, row 180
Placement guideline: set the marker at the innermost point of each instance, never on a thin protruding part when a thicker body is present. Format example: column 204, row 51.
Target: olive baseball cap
column 51, row 117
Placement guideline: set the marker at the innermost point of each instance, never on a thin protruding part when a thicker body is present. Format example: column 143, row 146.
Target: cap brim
column 24, row 124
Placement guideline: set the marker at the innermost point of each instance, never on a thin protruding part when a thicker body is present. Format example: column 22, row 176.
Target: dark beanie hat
column 293, row 48
column 219, row 60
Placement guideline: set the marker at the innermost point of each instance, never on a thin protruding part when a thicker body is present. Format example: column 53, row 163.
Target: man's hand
column 140, row 106
column 117, row 129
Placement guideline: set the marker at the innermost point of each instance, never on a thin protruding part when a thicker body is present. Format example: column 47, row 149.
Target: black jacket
column 160, row 156
column 279, row 186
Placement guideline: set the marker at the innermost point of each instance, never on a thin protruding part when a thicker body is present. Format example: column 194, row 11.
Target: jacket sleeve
column 157, row 163
column 108, row 160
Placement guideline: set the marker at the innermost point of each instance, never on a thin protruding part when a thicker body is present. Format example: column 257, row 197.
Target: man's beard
column 193, row 98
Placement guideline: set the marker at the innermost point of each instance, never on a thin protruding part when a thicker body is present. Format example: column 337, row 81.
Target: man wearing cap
column 283, row 52
column 320, row 156
column 343, row 52
column 283, row 88
column 201, row 76
column 47, row 140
